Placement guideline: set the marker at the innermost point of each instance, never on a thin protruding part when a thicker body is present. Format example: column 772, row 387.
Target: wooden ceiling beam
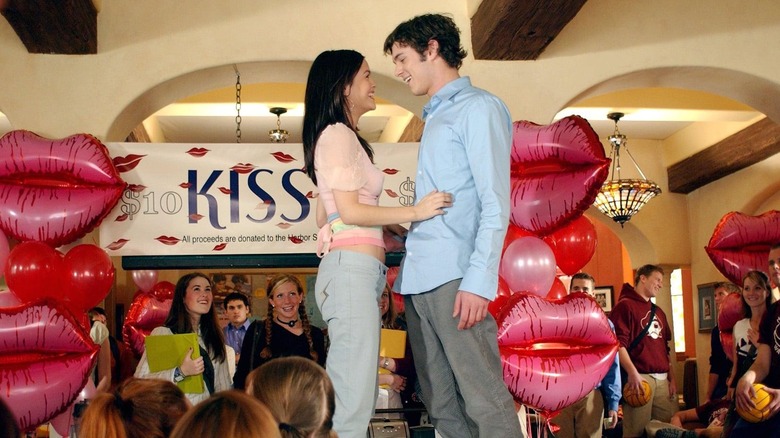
column 753, row 144
column 413, row 131
column 519, row 29
column 61, row 27
column 139, row 135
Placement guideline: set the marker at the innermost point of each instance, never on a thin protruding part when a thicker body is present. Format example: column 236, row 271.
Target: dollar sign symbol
column 407, row 193
column 130, row 204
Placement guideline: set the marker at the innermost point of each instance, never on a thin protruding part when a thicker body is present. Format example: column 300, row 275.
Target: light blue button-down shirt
column 464, row 151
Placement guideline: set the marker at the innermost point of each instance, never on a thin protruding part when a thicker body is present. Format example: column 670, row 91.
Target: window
column 678, row 311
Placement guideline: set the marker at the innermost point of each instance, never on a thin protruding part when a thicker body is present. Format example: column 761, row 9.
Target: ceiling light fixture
column 620, row 198
column 278, row 135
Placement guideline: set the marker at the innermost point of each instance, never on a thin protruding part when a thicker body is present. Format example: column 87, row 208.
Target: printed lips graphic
column 55, row 191
column 554, row 352
column 45, row 360
column 741, row 243
column 556, row 172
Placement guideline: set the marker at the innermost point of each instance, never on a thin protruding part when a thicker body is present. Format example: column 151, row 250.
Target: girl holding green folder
column 192, row 311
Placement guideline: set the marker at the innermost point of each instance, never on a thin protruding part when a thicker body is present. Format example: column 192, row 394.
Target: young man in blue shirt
column 584, row 418
column 237, row 309
column 450, row 271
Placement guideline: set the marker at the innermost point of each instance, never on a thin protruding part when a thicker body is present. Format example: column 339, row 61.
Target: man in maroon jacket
column 644, row 335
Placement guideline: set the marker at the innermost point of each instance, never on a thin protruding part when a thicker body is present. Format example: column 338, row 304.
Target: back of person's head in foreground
column 228, row 414
column 138, row 408
column 8, row 425
column 298, row 393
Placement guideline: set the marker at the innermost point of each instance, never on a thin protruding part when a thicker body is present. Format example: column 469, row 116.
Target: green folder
column 165, row 352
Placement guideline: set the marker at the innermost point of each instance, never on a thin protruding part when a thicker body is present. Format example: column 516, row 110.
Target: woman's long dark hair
column 330, row 74
column 178, row 319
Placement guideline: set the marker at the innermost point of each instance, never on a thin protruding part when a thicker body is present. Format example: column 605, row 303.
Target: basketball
column 635, row 398
column 760, row 412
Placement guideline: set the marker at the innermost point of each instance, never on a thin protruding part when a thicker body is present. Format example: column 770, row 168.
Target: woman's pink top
column 340, row 163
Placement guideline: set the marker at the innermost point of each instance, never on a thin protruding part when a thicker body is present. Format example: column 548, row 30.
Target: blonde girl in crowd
column 286, row 330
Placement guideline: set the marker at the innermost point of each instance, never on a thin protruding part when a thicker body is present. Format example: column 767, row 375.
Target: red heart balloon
column 573, row 245
column 731, row 310
column 558, row 290
column 33, row 271
column 88, row 275
column 145, row 313
column 727, row 341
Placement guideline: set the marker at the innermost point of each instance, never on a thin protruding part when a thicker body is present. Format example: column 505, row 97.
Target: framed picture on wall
column 708, row 312
column 603, row 296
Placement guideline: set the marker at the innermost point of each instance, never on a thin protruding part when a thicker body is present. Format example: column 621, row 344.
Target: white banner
column 219, row 199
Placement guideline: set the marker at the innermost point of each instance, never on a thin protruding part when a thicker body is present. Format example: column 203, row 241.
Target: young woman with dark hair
column 352, row 273
column 192, row 311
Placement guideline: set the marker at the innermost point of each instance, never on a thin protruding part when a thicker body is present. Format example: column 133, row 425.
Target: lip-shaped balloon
column 740, row 243
column 45, row 360
column 146, row 312
column 554, row 352
column 55, row 191
column 556, row 172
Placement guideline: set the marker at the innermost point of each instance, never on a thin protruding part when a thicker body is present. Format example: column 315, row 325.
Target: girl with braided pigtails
column 286, row 330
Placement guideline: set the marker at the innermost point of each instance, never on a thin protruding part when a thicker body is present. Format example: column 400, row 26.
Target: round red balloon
column 513, row 232
column 163, row 290
column 573, row 245
column 558, row 290
column 88, row 276
column 33, row 271
column 502, row 296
